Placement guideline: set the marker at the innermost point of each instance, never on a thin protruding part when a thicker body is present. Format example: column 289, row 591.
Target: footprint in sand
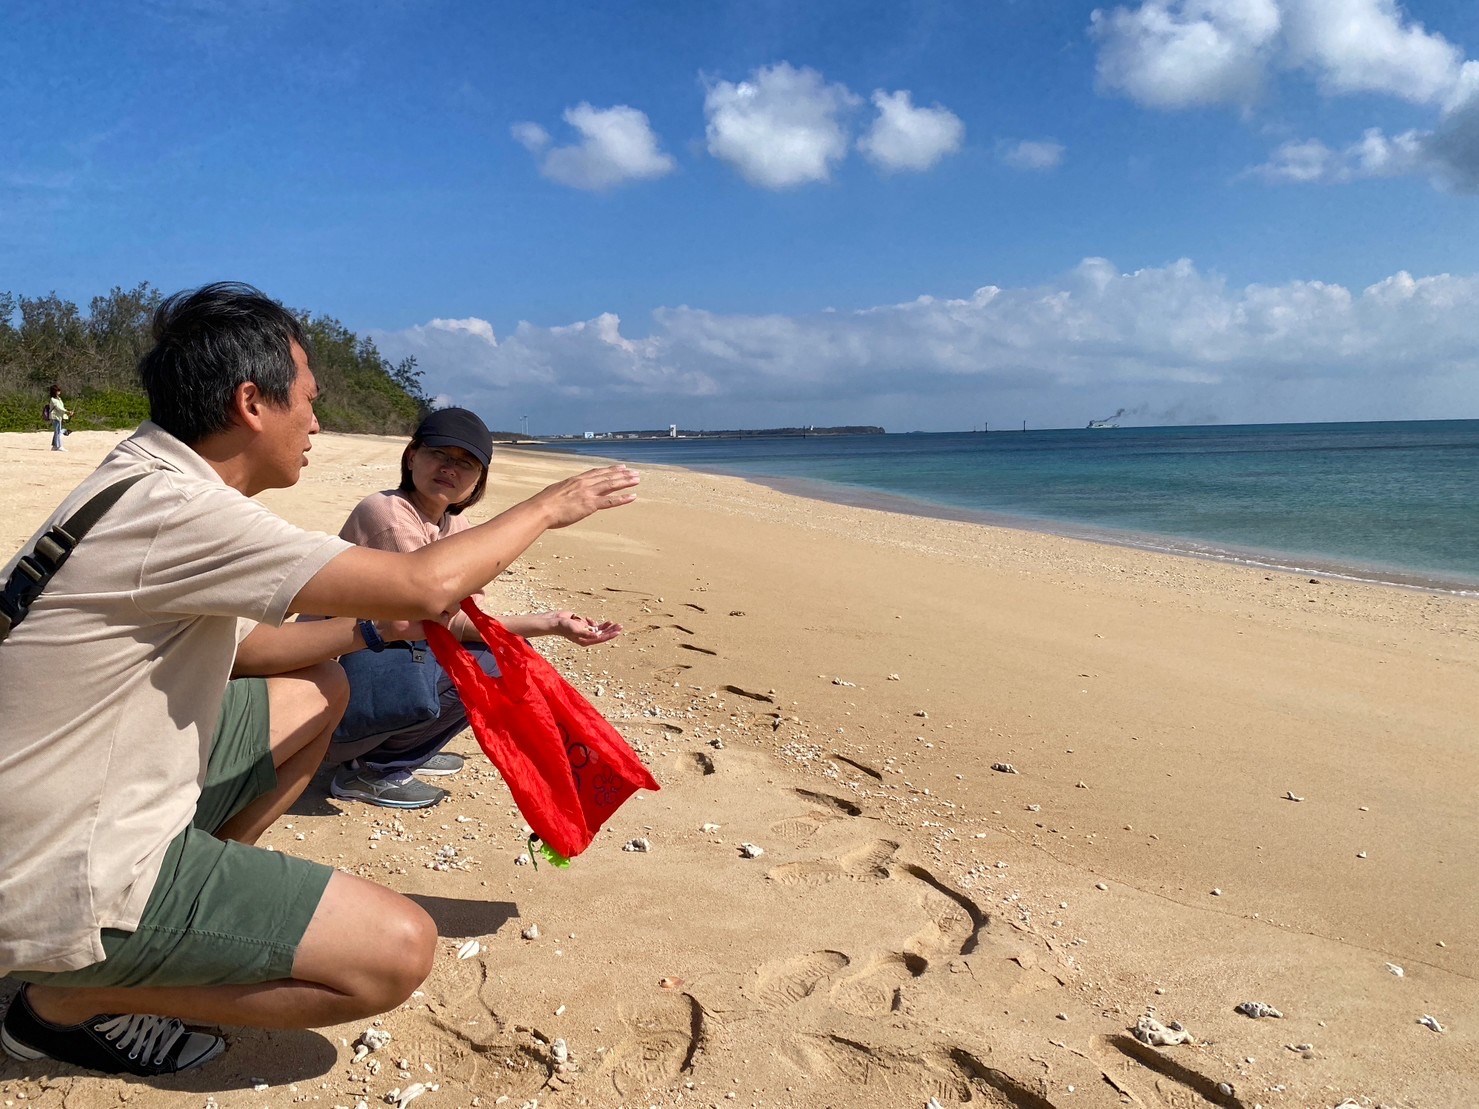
column 779, row 986
column 867, row 863
column 797, row 830
column 955, row 921
column 470, row 1058
column 946, row 1073
column 879, row 989
column 659, row 1048
column 838, row 805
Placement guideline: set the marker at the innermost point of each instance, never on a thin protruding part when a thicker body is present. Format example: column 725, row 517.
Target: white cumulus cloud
column 1172, row 54
column 1375, row 154
column 1033, row 154
column 781, row 128
column 1183, row 53
column 904, row 137
column 1366, row 46
column 617, row 145
column 1171, row 339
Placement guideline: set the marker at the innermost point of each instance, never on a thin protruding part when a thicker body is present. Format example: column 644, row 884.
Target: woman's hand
column 580, row 631
column 572, row 500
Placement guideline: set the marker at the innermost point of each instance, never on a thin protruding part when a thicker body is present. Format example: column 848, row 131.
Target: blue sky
column 755, row 214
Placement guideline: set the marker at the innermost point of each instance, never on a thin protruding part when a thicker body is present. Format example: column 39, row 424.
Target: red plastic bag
column 567, row 768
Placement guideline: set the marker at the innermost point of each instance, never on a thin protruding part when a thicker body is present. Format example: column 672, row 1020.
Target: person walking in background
column 56, row 412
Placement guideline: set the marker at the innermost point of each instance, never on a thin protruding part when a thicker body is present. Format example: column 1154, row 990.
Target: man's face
column 285, row 432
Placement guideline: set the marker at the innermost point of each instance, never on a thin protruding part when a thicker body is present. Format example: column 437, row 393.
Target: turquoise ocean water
column 1395, row 502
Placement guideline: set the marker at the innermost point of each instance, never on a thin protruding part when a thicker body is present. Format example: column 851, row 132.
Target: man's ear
column 247, row 403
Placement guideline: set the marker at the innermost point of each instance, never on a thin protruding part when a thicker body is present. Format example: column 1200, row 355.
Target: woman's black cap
column 457, row 427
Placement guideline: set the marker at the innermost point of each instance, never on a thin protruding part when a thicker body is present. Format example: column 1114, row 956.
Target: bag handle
column 33, row 573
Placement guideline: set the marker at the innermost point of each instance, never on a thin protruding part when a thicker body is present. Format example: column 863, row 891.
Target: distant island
column 673, row 431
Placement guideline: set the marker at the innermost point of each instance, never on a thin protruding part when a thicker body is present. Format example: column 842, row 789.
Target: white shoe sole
column 17, row 1050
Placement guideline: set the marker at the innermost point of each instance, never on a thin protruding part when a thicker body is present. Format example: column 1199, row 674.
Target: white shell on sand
column 1428, row 1022
column 1289, row 795
column 750, row 851
column 1150, row 1031
column 400, row 1098
column 642, row 844
column 469, row 949
column 1004, row 767
column 371, row 1039
column 1393, row 968
column 531, row 932
column 1257, row 1009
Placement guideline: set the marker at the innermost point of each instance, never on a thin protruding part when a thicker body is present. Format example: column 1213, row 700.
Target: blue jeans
column 56, row 435
column 408, row 749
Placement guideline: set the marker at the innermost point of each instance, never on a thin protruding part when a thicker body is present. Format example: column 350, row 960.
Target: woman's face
column 443, row 476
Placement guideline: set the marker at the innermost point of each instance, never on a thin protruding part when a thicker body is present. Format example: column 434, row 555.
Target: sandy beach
column 1220, row 786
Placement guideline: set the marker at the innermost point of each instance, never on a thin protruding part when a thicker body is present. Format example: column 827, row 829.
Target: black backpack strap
column 35, row 570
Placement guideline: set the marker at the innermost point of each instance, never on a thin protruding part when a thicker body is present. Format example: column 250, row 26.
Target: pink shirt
column 389, row 521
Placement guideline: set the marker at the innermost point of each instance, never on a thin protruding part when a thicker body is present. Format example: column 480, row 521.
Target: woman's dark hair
column 56, row 390
column 210, row 340
column 409, row 486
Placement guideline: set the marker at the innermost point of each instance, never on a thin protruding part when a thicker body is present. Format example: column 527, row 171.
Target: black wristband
column 371, row 635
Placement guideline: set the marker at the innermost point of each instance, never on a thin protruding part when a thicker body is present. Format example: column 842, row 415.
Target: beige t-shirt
column 111, row 688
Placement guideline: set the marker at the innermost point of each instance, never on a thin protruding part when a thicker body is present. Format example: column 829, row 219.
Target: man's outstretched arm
column 424, row 584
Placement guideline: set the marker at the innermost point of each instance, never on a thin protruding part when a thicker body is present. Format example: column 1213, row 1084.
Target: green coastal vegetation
column 92, row 355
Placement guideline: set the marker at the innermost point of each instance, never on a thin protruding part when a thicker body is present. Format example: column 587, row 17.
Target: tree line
column 93, row 356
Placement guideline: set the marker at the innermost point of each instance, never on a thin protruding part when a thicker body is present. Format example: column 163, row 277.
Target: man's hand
column 572, row 500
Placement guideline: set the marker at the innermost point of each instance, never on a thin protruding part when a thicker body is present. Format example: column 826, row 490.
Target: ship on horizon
column 1102, row 424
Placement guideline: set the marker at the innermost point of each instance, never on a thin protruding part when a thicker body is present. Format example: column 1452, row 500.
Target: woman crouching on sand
column 444, row 471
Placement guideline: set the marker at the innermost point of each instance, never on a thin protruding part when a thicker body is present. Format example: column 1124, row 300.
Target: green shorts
column 221, row 913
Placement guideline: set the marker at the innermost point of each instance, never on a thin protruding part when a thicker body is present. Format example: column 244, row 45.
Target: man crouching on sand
column 136, row 773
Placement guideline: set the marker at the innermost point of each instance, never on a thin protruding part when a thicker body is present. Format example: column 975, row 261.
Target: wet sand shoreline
column 1267, row 560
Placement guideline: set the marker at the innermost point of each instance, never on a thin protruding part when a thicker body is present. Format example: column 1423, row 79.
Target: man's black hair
column 210, row 340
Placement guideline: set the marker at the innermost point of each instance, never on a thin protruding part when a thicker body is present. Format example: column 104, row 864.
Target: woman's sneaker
column 391, row 789
column 441, row 765
column 145, row 1046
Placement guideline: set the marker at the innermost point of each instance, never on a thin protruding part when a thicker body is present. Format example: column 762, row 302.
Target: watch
column 371, row 635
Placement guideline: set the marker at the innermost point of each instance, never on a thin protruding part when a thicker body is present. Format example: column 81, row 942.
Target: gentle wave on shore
column 1386, row 502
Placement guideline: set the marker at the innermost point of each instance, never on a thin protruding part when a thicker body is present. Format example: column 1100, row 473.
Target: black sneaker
column 145, row 1046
